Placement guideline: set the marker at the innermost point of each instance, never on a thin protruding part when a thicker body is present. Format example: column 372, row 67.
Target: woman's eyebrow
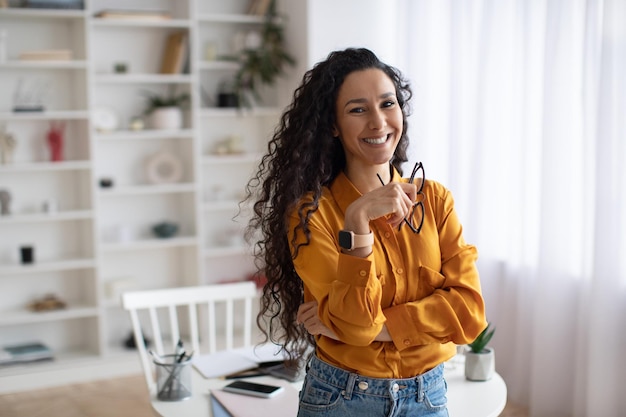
column 363, row 100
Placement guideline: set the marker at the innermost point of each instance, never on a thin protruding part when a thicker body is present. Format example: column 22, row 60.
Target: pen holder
column 173, row 378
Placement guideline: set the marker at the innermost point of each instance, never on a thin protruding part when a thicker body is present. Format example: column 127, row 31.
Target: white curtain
column 520, row 109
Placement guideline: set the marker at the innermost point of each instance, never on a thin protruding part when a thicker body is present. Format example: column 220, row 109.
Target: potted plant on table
column 480, row 358
column 165, row 112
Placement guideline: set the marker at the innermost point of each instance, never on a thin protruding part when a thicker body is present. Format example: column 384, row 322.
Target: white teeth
column 376, row 141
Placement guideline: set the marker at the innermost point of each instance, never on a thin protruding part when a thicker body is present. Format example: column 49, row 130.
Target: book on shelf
column 25, row 352
column 259, row 7
column 175, row 53
column 46, row 55
column 133, row 14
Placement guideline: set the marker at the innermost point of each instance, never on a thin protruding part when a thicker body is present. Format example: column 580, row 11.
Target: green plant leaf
column 481, row 341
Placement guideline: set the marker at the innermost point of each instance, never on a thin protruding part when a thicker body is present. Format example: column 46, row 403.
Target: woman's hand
column 307, row 316
column 394, row 200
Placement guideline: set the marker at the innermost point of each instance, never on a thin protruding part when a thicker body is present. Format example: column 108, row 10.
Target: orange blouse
column 424, row 286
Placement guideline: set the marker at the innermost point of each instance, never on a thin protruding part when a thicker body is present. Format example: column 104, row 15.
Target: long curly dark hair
column 302, row 158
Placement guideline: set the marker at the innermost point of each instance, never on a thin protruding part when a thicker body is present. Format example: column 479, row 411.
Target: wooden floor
column 123, row 397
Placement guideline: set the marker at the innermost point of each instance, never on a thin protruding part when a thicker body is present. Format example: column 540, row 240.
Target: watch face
column 345, row 239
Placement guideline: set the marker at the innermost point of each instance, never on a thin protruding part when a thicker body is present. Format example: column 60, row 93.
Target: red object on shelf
column 55, row 141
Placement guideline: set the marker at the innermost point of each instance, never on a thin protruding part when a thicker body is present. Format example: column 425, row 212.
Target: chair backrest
column 217, row 317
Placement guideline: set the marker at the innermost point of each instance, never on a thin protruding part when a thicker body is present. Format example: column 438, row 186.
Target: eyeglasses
column 419, row 204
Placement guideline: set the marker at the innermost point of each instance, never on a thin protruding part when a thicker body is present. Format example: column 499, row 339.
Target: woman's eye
column 357, row 110
column 388, row 103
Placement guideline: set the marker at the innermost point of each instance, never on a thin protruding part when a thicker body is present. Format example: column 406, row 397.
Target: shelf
column 47, row 266
column 219, row 251
column 230, row 18
column 238, row 112
column 243, row 158
column 138, row 23
column 75, row 64
column 150, row 244
column 126, row 135
column 218, row 65
column 45, row 115
column 47, row 217
column 43, row 13
column 46, row 166
column 11, row 318
column 147, row 189
column 143, row 78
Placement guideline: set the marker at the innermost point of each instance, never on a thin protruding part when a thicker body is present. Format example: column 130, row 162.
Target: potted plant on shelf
column 165, row 112
column 262, row 59
column 480, row 358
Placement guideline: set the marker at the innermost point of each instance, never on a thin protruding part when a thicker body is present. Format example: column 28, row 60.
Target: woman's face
column 369, row 119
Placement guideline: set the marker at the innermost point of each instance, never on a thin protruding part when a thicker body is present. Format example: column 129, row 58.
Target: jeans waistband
column 352, row 382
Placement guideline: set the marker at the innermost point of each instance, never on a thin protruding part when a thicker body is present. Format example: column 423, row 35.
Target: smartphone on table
column 252, row 388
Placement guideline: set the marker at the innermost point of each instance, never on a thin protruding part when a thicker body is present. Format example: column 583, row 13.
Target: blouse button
column 400, row 271
column 363, row 273
column 407, row 342
column 387, row 235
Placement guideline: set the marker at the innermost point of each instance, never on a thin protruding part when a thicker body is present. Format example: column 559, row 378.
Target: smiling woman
column 375, row 298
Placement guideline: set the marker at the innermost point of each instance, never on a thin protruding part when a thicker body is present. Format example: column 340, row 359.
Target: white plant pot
column 166, row 118
column 480, row 366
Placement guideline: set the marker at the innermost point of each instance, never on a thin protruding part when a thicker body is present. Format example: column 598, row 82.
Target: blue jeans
column 332, row 392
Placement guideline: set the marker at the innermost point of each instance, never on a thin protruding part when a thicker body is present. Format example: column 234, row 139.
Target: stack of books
column 134, row 14
column 26, row 352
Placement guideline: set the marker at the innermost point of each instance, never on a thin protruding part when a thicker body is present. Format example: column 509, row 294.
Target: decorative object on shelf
column 175, row 53
column 29, row 98
column 55, row 4
column 165, row 112
column 229, row 146
column 54, row 139
column 46, row 55
column 480, row 358
column 105, row 119
column 7, row 145
column 106, row 182
column 262, row 64
column 114, row 288
column 47, row 303
column 130, row 14
column 165, row 229
column 120, row 68
column 26, row 352
column 136, row 123
column 27, row 254
column 163, row 168
column 49, row 205
column 227, row 95
column 5, row 202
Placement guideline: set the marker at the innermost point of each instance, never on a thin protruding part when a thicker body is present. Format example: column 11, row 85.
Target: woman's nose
column 376, row 120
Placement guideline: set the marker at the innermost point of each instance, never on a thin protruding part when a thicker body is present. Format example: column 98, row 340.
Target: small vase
column 480, row 366
column 167, row 118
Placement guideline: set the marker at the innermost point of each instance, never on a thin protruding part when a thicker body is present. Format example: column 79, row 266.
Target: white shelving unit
column 99, row 240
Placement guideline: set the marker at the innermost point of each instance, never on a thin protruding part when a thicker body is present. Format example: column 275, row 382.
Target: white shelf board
column 15, row 317
column 129, row 190
column 220, row 251
column 229, row 18
column 47, row 217
column 242, row 158
column 218, row 65
column 142, row 78
column 239, row 112
column 46, row 266
column 46, row 166
column 150, row 244
column 43, row 13
column 166, row 23
column 17, row 64
column 45, row 115
column 146, row 134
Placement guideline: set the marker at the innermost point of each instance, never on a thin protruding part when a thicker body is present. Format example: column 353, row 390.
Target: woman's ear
column 335, row 132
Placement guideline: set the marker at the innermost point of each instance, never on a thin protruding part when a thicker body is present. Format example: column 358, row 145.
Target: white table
column 465, row 398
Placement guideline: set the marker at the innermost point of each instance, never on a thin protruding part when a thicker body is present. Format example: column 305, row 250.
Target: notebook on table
column 228, row 404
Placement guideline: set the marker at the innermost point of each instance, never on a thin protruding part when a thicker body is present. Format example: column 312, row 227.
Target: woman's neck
column 366, row 179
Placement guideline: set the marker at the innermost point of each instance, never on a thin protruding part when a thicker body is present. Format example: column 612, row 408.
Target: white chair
column 162, row 312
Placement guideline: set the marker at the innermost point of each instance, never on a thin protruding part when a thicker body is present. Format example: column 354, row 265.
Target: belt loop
column 347, row 392
column 419, row 395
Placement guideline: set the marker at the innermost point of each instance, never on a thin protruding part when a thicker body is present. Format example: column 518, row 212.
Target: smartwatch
column 349, row 241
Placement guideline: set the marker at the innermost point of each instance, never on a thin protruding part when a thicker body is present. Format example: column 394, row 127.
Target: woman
column 372, row 265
